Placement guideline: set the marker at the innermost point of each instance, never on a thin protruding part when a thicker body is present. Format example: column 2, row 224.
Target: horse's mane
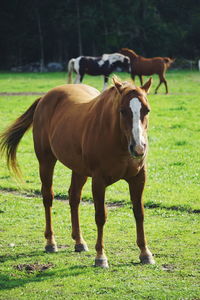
column 111, row 95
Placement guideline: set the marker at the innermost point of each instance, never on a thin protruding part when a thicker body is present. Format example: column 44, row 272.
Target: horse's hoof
column 101, row 262
column 147, row 260
column 81, row 248
column 51, row 248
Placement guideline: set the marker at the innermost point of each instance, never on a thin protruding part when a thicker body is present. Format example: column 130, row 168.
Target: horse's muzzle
column 137, row 151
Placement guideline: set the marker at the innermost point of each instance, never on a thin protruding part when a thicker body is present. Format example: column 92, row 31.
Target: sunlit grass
column 173, row 160
column 171, row 198
column 172, row 237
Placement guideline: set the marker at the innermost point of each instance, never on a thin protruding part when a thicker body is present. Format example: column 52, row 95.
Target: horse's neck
column 108, row 102
column 106, row 107
column 105, row 117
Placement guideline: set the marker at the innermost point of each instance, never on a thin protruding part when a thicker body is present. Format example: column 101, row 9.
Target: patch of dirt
column 168, row 268
column 30, row 268
column 63, row 246
column 22, row 93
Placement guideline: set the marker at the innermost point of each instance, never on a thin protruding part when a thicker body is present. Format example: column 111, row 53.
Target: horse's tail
column 70, row 69
column 10, row 138
column 168, row 61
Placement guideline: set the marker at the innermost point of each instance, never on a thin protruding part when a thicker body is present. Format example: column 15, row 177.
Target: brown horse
column 98, row 135
column 148, row 66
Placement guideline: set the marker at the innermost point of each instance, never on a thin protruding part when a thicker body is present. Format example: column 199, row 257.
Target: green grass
column 172, row 236
column 171, row 200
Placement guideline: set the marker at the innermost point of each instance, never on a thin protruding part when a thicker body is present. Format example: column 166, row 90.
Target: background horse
column 103, row 65
column 99, row 135
column 148, row 66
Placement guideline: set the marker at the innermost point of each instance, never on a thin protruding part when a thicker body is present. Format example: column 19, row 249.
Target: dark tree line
column 49, row 30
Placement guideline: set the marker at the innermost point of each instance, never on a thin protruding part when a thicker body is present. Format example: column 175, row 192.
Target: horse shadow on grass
column 33, row 272
column 14, row 278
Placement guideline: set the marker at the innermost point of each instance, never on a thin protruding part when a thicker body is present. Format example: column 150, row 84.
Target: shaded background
column 54, row 31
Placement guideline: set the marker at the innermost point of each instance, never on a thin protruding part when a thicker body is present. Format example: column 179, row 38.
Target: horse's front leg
column 133, row 77
column 136, row 187
column 98, row 190
column 141, row 79
column 77, row 182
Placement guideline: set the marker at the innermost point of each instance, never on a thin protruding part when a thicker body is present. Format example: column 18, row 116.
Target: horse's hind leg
column 166, row 87
column 136, row 187
column 156, row 90
column 77, row 79
column 47, row 164
column 162, row 80
column 75, row 189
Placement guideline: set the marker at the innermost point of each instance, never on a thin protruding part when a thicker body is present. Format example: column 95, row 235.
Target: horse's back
column 60, row 103
column 148, row 66
column 72, row 92
column 66, row 94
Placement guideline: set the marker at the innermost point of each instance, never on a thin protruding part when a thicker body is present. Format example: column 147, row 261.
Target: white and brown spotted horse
column 103, row 136
column 102, row 65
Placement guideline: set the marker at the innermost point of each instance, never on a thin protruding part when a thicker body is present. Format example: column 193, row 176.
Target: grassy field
column 171, row 200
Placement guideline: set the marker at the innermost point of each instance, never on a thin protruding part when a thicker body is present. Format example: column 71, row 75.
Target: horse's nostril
column 131, row 148
column 139, row 149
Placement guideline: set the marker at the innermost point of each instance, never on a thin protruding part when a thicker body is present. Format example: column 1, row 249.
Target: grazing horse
column 103, row 136
column 102, row 65
column 148, row 66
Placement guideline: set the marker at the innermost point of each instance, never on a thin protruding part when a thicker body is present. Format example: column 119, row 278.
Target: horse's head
column 134, row 109
column 128, row 52
column 118, row 60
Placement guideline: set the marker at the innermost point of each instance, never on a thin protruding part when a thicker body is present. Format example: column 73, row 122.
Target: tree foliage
column 49, row 30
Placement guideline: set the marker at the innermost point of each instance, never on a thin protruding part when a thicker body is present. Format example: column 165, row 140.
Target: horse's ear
column 118, row 84
column 147, row 85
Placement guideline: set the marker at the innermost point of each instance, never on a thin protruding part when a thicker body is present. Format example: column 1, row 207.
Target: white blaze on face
column 137, row 131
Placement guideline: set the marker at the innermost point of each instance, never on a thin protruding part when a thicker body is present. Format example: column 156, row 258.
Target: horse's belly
column 144, row 72
column 70, row 155
column 94, row 72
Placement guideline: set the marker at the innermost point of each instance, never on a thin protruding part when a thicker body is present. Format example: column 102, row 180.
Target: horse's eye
column 122, row 111
column 146, row 110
